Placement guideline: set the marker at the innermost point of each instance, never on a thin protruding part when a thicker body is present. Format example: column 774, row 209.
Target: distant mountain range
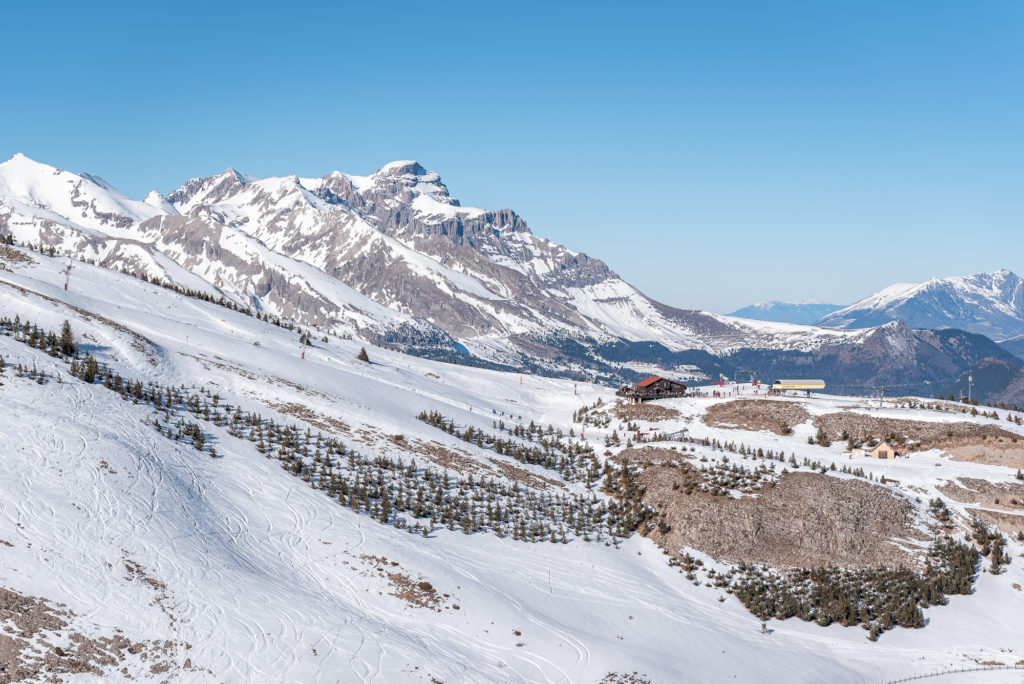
column 991, row 304
column 393, row 258
column 804, row 313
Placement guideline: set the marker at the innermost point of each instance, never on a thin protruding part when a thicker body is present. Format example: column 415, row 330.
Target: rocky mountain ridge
column 990, row 304
column 392, row 257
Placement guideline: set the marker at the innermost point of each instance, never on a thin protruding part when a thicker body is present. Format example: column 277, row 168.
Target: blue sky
column 714, row 154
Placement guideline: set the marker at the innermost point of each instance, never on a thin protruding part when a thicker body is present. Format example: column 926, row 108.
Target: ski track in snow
column 254, row 560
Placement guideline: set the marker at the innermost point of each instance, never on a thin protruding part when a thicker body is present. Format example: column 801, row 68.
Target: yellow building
column 882, row 450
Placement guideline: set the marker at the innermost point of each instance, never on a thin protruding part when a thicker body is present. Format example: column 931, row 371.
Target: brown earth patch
column 648, row 411
column 1008, row 523
column 804, row 520
column 418, row 593
column 136, row 573
column 953, row 437
column 14, row 256
column 624, row 678
column 646, row 456
column 1004, row 496
column 756, row 414
column 446, row 458
column 318, row 420
column 525, row 477
column 1008, row 455
column 28, row 651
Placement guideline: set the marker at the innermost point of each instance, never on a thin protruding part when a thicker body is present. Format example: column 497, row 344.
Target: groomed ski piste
column 234, row 570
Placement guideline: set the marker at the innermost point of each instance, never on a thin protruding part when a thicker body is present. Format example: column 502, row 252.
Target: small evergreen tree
column 67, row 339
column 363, row 356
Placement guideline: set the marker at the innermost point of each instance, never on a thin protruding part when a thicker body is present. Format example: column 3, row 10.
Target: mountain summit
column 990, row 304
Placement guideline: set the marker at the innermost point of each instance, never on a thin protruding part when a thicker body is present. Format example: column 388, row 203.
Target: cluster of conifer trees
column 389, row 490
column 586, row 416
column 875, row 598
column 573, row 460
column 992, row 545
column 947, row 407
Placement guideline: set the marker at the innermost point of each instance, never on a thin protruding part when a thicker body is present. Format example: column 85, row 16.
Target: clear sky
column 713, row 153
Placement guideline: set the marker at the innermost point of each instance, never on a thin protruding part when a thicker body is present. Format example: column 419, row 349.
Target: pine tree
column 363, row 356
column 67, row 339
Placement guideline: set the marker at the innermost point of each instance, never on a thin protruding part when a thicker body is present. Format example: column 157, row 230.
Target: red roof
column 649, row 381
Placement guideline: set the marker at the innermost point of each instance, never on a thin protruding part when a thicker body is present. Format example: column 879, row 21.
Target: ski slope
column 256, row 577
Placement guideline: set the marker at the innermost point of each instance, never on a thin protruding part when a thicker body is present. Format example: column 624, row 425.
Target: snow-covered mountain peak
column 1001, row 281
column 22, row 167
column 390, row 256
column 896, row 292
column 38, row 191
column 991, row 304
column 158, row 201
column 210, row 190
column 404, row 167
column 408, row 183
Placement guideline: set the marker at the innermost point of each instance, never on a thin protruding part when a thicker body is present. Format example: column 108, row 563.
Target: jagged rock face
column 199, row 191
column 487, row 274
column 236, row 263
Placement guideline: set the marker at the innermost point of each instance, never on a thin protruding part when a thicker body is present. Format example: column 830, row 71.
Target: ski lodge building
column 654, row 387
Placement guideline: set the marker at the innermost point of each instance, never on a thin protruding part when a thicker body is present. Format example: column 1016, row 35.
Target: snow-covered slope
column 991, row 304
column 49, row 194
column 231, row 569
